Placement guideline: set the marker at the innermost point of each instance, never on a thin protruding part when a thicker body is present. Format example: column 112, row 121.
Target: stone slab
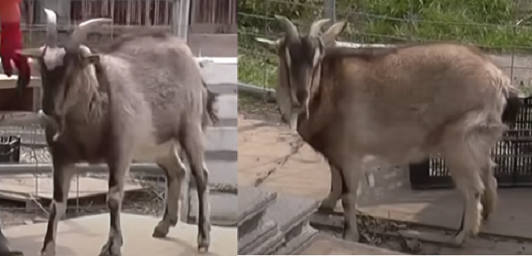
column 221, row 139
column 227, row 106
column 260, row 240
column 252, row 201
column 288, row 211
column 299, row 243
column 84, row 237
column 220, row 73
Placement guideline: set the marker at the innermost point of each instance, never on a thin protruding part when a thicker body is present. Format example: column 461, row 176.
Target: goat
column 142, row 98
column 398, row 104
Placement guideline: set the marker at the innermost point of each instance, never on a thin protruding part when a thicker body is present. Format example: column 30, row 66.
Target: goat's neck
column 92, row 102
column 314, row 129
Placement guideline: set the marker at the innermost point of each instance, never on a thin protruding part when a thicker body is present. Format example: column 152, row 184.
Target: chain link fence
column 25, row 164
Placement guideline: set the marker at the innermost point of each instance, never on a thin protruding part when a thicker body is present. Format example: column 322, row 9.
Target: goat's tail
column 512, row 108
column 210, row 112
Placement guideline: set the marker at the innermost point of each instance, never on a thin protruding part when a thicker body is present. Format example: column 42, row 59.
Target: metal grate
column 9, row 149
column 513, row 156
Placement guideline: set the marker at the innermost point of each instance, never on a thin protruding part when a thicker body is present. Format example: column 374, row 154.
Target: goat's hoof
column 49, row 249
column 161, row 230
column 458, row 239
column 351, row 235
column 112, row 247
column 203, row 245
column 485, row 213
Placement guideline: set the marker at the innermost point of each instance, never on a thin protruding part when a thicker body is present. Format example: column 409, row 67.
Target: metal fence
column 167, row 15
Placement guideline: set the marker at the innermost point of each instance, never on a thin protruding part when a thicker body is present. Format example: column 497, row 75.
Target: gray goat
column 142, row 98
column 398, row 104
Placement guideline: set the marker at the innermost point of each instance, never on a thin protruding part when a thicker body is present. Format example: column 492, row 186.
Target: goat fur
column 401, row 105
column 142, row 98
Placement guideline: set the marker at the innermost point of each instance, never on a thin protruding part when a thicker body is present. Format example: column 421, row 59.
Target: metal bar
column 330, row 9
column 137, row 168
column 128, row 13
column 258, row 92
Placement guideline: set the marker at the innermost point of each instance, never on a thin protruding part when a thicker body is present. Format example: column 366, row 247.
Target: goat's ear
column 33, row 53
column 268, row 44
column 330, row 35
column 91, row 59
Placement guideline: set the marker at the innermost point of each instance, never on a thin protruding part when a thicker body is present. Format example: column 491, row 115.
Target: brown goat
column 140, row 99
column 399, row 105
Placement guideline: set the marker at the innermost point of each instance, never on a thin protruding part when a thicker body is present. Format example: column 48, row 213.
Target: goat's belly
column 149, row 153
column 395, row 147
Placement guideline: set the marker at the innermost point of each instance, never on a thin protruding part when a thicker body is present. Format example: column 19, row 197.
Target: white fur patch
column 288, row 58
column 53, row 57
column 316, row 58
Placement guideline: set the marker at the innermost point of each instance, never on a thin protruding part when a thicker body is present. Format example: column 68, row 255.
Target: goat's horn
column 289, row 27
column 80, row 33
column 51, row 28
column 315, row 28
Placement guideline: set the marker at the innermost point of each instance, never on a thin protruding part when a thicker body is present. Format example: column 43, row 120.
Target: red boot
column 10, row 43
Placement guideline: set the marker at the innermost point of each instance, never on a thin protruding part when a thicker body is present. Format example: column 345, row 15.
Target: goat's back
column 156, row 85
column 406, row 99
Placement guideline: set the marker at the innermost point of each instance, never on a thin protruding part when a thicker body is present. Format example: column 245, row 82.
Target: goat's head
column 64, row 69
column 299, row 65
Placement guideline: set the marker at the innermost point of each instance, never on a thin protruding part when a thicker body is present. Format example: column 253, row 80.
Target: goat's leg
column 351, row 172
column 192, row 142
column 118, row 168
column 466, row 175
column 4, row 248
column 489, row 197
column 61, row 185
column 175, row 172
column 329, row 203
